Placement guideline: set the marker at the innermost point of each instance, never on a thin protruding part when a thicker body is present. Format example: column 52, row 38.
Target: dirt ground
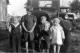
column 74, row 45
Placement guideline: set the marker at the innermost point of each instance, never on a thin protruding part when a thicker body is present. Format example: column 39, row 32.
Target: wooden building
column 3, row 13
column 3, row 10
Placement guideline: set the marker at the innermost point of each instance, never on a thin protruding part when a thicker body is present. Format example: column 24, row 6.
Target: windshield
column 70, row 15
column 62, row 15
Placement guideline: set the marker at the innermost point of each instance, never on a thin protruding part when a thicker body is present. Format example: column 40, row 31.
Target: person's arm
column 20, row 28
column 62, row 34
column 9, row 28
column 22, row 23
column 33, row 27
column 35, row 21
column 24, row 27
column 51, row 33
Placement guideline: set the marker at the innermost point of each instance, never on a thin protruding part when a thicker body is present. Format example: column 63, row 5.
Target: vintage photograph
column 39, row 26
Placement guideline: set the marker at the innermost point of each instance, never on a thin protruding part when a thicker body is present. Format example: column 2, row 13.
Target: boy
column 15, row 35
column 44, row 33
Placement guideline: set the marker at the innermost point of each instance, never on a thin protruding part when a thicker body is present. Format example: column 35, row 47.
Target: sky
column 16, row 7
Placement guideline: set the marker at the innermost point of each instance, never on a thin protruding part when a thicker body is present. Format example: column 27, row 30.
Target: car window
column 62, row 15
column 70, row 15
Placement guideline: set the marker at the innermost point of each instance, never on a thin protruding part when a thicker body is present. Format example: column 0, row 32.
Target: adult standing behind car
column 28, row 23
column 67, row 27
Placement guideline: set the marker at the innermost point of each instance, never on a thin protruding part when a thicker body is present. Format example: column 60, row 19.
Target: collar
column 15, row 24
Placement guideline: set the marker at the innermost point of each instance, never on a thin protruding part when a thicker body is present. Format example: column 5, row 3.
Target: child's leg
column 27, row 46
column 47, row 50
column 10, row 41
column 48, row 45
column 43, row 50
column 14, row 44
column 43, row 46
column 19, row 45
column 40, row 45
column 32, row 45
column 54, row 48
column 26, row 43
column 58, row 50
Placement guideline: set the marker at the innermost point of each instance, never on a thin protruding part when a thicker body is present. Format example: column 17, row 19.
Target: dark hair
column 46, row 15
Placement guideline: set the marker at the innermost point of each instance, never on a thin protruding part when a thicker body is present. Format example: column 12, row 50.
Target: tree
column 75, row 6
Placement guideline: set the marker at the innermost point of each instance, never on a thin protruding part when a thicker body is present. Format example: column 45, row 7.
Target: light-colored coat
column 57, row 34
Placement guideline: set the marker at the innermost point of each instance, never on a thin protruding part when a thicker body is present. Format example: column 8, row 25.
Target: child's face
column 55, row 22
column 15, row 20
column 43, row 19
column 29, row 13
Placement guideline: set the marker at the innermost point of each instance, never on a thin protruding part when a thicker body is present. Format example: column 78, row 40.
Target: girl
column 15, row 35
column 57, row 35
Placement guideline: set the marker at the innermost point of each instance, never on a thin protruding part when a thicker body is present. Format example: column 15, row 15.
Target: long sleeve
column 9, row 28
column 51, row 32
column 62, row 34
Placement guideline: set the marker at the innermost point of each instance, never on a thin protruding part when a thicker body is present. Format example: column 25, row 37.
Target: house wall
column 3, row 10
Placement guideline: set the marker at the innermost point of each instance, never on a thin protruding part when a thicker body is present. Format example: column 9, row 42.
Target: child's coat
column 57, row 35
column 15, row 37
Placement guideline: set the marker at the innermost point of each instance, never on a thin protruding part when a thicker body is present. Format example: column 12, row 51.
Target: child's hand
column 9, row 28
column 42, row 38
column 50, row 36
column 63, row 40
column 30, row 31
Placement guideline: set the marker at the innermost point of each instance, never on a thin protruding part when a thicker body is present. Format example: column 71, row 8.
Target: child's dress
column 57, row 35
column 16, row 38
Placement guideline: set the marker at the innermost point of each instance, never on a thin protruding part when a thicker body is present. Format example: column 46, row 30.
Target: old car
column 70, row 16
